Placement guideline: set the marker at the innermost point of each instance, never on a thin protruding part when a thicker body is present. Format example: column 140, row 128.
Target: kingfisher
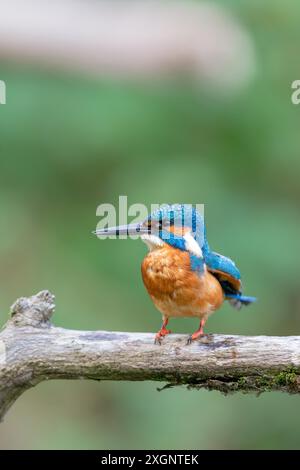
column 183, row 277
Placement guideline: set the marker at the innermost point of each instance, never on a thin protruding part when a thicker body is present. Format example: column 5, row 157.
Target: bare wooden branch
column 33, row 350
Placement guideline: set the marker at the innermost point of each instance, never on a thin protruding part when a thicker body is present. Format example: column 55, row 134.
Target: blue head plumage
column 180, row 216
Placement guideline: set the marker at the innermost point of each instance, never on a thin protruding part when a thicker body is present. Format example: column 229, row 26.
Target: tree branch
column 33, row 350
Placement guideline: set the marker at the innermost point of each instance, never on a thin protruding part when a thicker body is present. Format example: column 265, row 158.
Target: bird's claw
column 158, row 339
column 189, row 340
column 160, row 336
column 193, row 337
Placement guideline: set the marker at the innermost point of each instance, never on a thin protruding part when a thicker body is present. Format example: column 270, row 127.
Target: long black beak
column 131, row 229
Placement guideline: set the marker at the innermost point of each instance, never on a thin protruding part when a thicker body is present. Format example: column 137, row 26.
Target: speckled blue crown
column 182, row 215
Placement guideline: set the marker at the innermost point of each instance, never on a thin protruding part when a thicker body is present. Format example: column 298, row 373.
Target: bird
column 182, row 275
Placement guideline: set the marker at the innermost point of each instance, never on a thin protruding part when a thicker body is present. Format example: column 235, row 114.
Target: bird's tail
column 238, row 300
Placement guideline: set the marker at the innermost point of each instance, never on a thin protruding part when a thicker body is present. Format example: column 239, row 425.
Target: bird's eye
column 148, row 224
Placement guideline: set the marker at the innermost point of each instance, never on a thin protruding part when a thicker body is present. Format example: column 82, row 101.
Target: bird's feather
column 219, row 263
column 238, row 300
column 228, row 282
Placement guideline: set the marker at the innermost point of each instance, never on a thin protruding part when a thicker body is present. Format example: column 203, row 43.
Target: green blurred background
column 68, row 144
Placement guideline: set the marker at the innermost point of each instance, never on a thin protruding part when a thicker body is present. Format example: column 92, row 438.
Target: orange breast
column 175, row 289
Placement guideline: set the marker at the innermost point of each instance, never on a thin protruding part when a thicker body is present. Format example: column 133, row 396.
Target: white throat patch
column 192, row 246
column 152, row 241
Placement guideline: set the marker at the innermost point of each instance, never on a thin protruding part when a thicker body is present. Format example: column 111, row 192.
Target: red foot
column 162, row 332
column 197, row 333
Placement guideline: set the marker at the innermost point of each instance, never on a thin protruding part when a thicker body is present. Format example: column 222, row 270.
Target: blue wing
column 225, row 271
column 229, row 277
column 219, row 263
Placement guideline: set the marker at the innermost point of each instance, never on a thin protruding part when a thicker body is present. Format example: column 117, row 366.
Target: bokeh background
column 70, row 141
